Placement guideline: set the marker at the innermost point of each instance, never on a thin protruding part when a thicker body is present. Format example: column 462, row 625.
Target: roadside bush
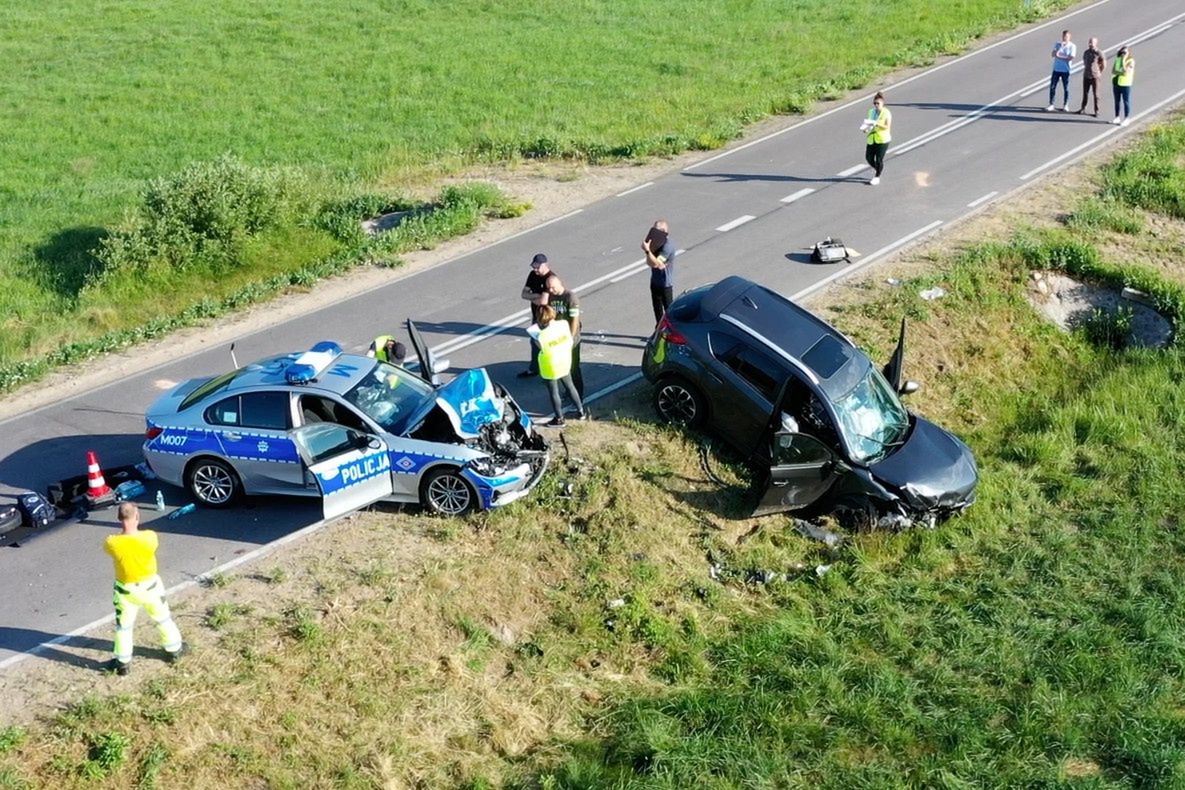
column 1151, row 176
column 1107, row 329
column 203, row 214
column 1106, row 215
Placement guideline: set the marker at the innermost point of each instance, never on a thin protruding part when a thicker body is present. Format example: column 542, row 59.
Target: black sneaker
column 175, row 656
column 117, row 667
column 526, row 374
column 558, row 422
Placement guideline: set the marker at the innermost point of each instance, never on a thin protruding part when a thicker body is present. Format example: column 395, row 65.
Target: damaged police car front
column 348, row 429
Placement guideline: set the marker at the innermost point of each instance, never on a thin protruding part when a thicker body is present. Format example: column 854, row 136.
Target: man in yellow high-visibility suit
column 137, row 586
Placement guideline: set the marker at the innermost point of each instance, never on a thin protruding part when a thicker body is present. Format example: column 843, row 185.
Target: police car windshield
column 390, row 396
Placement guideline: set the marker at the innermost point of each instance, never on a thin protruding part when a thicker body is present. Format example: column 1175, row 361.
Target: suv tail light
column 152, row 432
column 668, row 332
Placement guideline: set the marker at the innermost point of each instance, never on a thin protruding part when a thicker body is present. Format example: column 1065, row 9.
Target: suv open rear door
column 802, row 470
column 351, row 469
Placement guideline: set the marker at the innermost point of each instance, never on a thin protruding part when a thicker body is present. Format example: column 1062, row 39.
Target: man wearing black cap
column 535, row 291
column 660, row 257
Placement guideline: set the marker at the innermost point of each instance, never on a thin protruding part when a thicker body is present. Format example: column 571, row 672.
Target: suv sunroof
column 826, row 357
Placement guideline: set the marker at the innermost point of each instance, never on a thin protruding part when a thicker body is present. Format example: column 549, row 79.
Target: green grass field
column 100, row 99
column 641, row 631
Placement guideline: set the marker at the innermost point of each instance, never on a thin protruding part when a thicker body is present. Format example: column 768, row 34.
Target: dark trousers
column 553, row 389
column 1124, row 93
column 660, row 300
column 1090, row 84
column 577, row 376
column 1064, row 78
column 874, row 155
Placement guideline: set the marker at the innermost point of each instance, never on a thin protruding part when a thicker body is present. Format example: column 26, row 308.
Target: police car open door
column 350, row 468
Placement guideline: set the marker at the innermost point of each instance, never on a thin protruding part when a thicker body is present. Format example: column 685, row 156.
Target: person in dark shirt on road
column 1093, row 64
column 567, row 308
column 660, row 257
column 535, row 291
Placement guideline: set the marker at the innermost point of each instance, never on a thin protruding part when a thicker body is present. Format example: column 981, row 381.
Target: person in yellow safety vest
column 878, row 126
column 385, row 348
column 1123, row 74
column 555, row 361
column 137, row 585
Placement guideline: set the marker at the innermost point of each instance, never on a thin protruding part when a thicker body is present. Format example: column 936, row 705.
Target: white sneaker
column 1049, row 108
column 1117, row 120
column 1126, row 121
column 874, row 180
column 1066, row 107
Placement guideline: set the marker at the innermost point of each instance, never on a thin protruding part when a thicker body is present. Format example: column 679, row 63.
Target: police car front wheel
column 212, row 482
column 447, row 493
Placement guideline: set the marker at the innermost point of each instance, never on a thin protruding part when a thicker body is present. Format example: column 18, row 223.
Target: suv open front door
column 802, row 470
column 351, row 469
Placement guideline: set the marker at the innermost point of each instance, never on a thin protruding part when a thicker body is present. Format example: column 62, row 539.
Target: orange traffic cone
column 97, row 490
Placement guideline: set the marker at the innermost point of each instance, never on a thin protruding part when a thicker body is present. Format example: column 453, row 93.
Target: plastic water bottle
column 160, row 499
column 184, row 510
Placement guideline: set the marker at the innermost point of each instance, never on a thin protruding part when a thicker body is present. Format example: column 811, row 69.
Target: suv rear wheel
column 678, row 402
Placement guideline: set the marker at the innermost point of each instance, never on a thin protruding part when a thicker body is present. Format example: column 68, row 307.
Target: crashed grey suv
column 794, row 395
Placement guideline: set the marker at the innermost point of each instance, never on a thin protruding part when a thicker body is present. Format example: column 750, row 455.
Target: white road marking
column 1110, row 131
column 625, row 382
column 635, row 189
column 851, row 171
column 797, row 195
column 736, row 223
column 983, row 199
column 926, row 73
column 629, row 273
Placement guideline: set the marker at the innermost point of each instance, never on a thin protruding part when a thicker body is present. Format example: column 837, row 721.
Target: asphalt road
column 966, row 133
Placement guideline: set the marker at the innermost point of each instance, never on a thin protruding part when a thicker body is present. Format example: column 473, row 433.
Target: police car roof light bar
column 311, row 363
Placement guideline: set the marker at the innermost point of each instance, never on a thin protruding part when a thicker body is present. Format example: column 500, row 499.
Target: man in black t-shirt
column 535, row 291
column 567, row 308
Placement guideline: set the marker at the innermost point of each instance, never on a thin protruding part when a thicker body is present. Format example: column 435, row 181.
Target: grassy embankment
column 585, row 640
column 357, row 97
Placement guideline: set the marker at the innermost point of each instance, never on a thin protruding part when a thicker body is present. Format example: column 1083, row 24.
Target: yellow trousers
column 148, row 595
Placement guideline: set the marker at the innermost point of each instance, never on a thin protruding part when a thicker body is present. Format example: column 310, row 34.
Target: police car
column 348, row 429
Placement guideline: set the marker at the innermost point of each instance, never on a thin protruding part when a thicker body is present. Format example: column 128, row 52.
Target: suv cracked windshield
column 870, row 418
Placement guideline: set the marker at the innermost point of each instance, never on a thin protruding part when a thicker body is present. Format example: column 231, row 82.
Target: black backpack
column 36, row 509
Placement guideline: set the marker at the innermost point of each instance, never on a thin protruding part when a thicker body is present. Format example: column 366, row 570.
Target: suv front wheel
column 678, row 402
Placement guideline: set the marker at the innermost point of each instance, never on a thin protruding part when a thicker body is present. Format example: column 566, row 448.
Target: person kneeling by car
column 385, row 348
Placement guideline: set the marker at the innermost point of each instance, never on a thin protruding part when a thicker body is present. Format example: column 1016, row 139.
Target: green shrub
column 105, row 752
column 1108, row 215
column 203, row 214
column 1150, row 176
column 1108, row 329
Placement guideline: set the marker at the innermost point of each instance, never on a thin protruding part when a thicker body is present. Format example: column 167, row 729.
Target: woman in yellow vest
column 555, row 361
column 1123, row 74
column 878, row 125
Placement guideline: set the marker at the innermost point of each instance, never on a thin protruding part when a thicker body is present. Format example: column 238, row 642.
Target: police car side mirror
column 910, row 387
